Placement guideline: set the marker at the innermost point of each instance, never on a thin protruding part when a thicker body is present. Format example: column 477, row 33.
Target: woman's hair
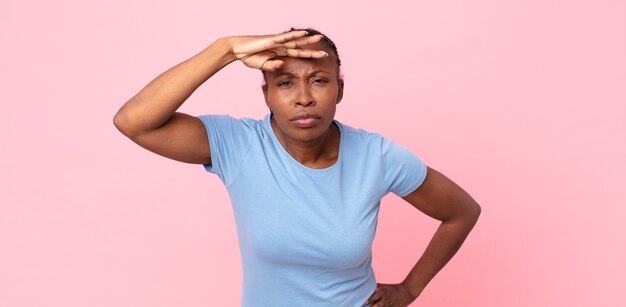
column 324, row 41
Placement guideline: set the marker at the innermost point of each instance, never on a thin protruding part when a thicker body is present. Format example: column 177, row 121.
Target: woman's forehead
column 294, row 65
column 302, row 65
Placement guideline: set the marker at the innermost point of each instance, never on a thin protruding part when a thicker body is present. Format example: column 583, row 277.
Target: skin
column 311, row 85
column 150, row 119
column 442, row 199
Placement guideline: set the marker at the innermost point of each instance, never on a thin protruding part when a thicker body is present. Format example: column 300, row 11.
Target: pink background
column 519, row 102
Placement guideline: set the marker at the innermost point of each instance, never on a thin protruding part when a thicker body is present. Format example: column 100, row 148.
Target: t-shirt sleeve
column 229, row 140
column 404, row 171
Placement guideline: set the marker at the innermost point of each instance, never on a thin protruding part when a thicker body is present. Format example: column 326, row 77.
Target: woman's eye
column 287, row 82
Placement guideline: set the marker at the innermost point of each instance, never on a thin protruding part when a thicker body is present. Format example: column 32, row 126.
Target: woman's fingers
column 264, row 54
column 247, row 45
column 271, row 65
column 280, row 51
column 264, row 60
column 294, row 51
column 289, row 45
column 306, row 53
column 377, row 295
column 289, row 36
column 300, row 53
column 303, row 41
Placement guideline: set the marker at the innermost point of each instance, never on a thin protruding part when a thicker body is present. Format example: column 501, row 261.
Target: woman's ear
column 340, row 92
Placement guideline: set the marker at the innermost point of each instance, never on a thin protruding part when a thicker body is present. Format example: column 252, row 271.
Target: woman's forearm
column 444, row 244
column 157, row 101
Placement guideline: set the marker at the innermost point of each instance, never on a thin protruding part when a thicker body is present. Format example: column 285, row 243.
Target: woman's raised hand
column 260, row 52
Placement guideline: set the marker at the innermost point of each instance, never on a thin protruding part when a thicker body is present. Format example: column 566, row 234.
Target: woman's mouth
column 305, row 119
column 306, row 122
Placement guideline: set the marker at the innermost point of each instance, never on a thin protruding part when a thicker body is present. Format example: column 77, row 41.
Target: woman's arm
column 157, row 101
column 150, row 119
column 441, row 199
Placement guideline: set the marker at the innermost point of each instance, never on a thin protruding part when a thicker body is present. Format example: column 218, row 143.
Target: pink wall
column 519, row 102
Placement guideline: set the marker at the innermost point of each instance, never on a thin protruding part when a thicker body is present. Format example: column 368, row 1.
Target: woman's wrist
column 412, row 292
column 222, row 47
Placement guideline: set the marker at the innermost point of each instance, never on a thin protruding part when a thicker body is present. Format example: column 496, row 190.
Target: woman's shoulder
column 361, row 134
column 362, row 141
column 232, row 121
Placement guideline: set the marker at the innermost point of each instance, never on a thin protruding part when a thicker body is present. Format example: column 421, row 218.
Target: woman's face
column 303, row 94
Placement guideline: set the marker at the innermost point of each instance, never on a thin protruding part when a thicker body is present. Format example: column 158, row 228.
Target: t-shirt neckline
column 283, row 151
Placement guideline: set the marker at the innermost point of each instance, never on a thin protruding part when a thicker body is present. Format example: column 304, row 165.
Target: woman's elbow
column 473, row 212
column 120, row 121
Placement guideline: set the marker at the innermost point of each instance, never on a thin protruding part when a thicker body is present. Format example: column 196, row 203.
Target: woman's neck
column 321, row 152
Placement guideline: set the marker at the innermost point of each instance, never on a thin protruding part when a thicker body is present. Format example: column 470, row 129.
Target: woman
column 305, row 188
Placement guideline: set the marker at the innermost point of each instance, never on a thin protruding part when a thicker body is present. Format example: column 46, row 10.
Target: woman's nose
column 305, row 103
column 304, row 97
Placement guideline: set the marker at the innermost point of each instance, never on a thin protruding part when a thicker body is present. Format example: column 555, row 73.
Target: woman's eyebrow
column 288, row 74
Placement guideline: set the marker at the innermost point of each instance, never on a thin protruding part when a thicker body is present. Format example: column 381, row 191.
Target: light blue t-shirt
column 305, row 234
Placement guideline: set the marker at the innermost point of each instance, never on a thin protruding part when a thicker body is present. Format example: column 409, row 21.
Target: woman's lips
column 306, row 122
